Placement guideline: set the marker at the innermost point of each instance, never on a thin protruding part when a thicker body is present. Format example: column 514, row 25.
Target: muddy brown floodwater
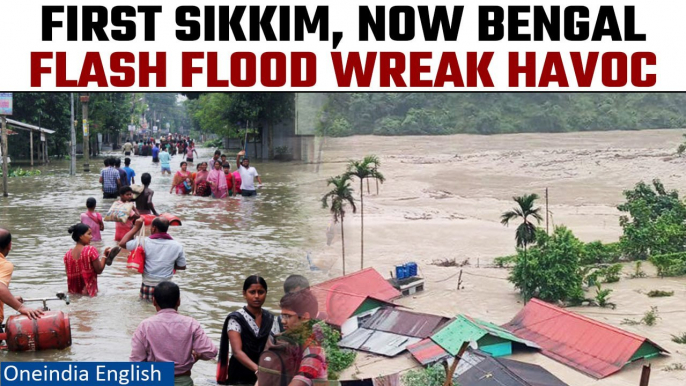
column 224, row 240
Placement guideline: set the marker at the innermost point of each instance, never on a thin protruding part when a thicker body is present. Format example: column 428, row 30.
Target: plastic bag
column 136, row 259
column 119, row 211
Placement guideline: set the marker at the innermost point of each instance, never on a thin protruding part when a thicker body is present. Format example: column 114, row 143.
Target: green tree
column 340, row 195
column 109, row 113
column 490, row 113
column 49, row 110
column 364, row 169
column 220, row 113
column 550, row 270
column 526, row 231
column 654, row 223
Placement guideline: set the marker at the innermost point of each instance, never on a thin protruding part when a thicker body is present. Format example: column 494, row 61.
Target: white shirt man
column 248, row 176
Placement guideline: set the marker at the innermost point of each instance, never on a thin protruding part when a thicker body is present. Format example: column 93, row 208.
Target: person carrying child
column 125, row 201
column 182, row 181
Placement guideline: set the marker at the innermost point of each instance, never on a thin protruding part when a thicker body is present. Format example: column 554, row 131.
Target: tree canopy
column 483, row 113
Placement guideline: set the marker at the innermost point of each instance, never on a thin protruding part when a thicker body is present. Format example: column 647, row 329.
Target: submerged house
column 346, row 301
column 490, row 371
column 389, row 331
column 489, row 338
column 589, row 346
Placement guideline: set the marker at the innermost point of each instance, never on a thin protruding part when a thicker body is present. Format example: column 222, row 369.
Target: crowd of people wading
column 248, row 334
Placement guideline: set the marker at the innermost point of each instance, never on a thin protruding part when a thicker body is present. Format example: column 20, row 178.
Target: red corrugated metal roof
column 367, row 282
column 342, row 296
column 592, row 347
column 427, row 352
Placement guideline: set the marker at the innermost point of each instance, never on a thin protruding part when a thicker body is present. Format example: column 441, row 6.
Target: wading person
column 230, row 180
column 127, row 148
column 144, row 203
column 217, row 181
column 6, row 269
column 163, row 255
column 110, row 180
column 93, row 219
column 155, row 153
column 130, row 173
column 215, row 158
column 247, row 331
column 236, row 183
column 248, row 176
column 120, row 228
column 83, row 263
column 165, row 159
column 171, row 337
column 183, row 180
column 202, row 187
column 189, row 152
column 123, row 178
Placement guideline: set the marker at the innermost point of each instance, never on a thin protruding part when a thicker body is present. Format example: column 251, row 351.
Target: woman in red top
column 82, row 262
column 230, row 180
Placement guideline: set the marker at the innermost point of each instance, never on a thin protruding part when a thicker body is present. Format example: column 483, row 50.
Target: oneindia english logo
column 86, row 373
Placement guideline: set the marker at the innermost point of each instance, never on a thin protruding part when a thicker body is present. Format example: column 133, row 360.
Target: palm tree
column 365, row 169
column 526, row 231
column 341, row 194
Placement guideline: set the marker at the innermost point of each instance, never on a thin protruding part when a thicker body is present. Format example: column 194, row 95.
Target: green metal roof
column 466, row 329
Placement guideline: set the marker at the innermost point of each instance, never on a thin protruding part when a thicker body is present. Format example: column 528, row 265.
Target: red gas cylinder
column 173, row 220
column 51, row 331
column 148, row 219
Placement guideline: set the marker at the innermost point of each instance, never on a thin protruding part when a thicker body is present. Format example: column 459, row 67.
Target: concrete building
column 293, row 139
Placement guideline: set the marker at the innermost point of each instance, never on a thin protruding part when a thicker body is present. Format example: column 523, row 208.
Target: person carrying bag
column 119, row 211
column 136, row 259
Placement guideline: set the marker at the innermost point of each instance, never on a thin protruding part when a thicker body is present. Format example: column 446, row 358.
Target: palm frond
column 366, row 168
column 372, row 160
column 535, row 214
column 526, row 202
column 526, row 231
column 340, row 193
column 508, row 216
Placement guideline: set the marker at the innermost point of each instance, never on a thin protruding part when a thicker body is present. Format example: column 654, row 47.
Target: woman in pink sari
column 217, row 181
column 183, row 180
column 202, row 188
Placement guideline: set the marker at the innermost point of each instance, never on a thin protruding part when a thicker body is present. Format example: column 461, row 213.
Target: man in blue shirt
column 110, row 180
column 165, row 158
column 130, row 174
column 124, row 181
column 155, row 153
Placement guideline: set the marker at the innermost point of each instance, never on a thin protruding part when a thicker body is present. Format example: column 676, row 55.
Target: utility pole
column 645, row 375
column 86, row 136
column 72, row 165
column 5, row 170
column 546, row 211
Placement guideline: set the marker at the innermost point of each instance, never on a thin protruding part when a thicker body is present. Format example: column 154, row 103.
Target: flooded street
column 224, row 240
